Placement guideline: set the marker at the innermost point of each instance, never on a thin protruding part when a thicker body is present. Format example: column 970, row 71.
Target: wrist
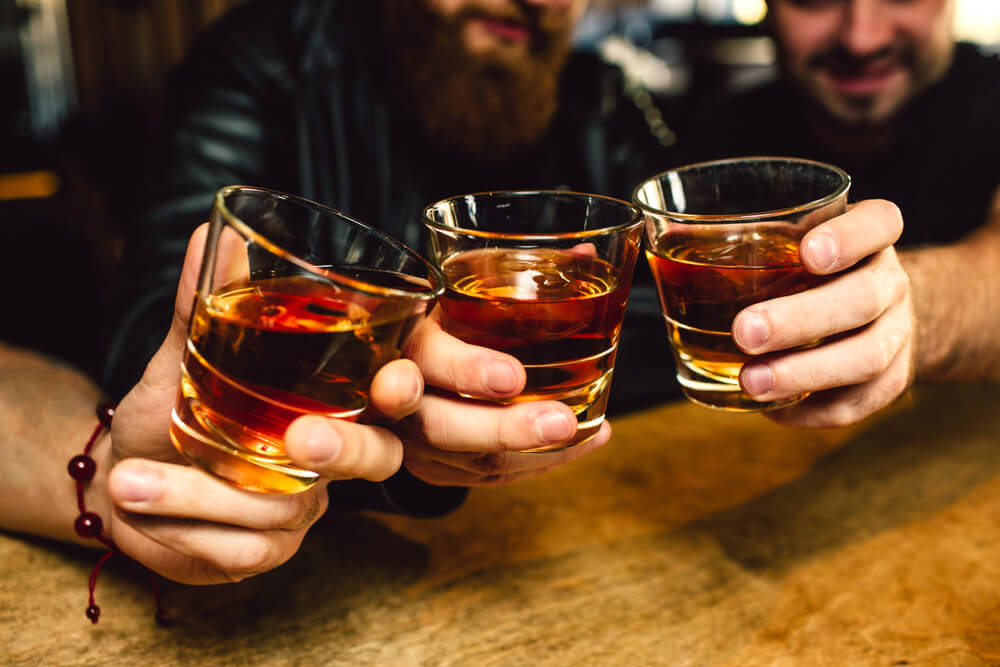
column 89, row 472
column 96, row 499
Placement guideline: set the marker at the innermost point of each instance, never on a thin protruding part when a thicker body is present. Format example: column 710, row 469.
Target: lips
column 865, row 80
column 507, row 30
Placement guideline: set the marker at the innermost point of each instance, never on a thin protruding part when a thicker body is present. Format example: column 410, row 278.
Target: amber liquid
column 703, row 283
column 262, row 353
column 559, row 313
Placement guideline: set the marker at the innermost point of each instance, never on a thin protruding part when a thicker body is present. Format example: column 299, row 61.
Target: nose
column 866, row 26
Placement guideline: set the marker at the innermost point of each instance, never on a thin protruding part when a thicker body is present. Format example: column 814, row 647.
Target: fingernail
column 322, row 444
column 501, row 377
column 757, row 379
column 751, row 330
column 139, row 484
column 554, row 426
column 822, row 250
column 415, row 389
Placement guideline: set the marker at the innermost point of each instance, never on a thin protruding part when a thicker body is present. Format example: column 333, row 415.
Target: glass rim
column 219, row 203
column 636, row 218
column 845, row 184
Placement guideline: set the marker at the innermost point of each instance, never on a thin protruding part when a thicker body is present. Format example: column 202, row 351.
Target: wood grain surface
column 693, row 538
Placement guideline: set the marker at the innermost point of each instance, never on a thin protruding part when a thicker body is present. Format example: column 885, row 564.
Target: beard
column 490, row 106
column 868, row 110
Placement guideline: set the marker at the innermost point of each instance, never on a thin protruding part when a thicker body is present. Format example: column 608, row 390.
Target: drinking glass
column 297, row 307
column 543, row 276
column 724, row 235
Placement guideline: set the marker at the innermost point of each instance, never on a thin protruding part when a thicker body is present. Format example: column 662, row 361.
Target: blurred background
column 83, row 82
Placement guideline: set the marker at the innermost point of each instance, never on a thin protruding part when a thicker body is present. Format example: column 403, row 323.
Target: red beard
column 489, row 106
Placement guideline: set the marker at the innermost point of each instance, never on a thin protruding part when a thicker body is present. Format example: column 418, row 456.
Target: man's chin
column 860, row 109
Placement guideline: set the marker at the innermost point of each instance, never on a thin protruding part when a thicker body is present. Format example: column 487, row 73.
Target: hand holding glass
column 544, row 277
column 722, row 236
column 297, row 308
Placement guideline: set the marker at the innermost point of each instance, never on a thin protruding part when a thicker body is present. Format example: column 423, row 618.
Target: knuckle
column 874, row 285
column 814, row 375
column 467, row 371
column 502, row 479
column 457, row 374
column 203, row 571
column 255, row 555
column 898, row 382
column 890, row 212
column 491, row 465
column 866, row 402
column 499, row 438
column 847, row 412
column 385, row 461
column 288, row 513
column 891, row 279
column 902, row 281
column 425, row 471
column 793, row 379
column 871, row 362
column 882, row 354
column 300, row 511
column 428, row 424
column 415, row 347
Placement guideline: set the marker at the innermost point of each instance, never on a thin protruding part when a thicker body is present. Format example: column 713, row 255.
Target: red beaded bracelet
column 89, row 525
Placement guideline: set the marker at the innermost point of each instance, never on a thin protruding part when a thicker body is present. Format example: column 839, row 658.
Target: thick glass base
column 240, row 467
column 728, row 396
column 584, row 432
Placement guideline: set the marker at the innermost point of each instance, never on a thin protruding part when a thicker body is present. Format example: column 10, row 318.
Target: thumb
column 163, row 368
column 142, row 419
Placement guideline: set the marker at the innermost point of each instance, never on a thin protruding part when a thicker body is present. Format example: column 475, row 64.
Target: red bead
column 162, row 619
column 88, row 525
column 93, row 613
column 105, row 413
column 82, row 468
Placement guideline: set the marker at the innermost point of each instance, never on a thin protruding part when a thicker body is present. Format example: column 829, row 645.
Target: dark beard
column 490, row 107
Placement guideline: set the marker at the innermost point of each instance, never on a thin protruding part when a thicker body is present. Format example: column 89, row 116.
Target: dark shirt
column 295, row 96
column 941, row 170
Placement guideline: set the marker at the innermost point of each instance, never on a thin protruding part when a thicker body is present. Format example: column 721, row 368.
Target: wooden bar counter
column 694, row 538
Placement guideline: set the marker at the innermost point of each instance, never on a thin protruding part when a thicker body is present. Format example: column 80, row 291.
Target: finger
column 166, row 490
column 339, row 449
column 843, row 303
column 465, row 469
column 143, row 417
column 585, row 250
column 450, row 364
column 470, row 426
column 861, row 357
column 396, row 390
column 201, row 552
column 162, row 369
column 868, row 227
column 846, row 406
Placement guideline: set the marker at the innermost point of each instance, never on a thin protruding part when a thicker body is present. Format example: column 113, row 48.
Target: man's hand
column 864, row 313
column 188, row 526
column 457, row 441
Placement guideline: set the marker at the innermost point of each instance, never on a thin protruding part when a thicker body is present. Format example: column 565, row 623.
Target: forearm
column 956, row 299
column 47, row 412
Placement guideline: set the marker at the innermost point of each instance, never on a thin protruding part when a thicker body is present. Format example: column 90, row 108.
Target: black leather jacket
column 294, row 96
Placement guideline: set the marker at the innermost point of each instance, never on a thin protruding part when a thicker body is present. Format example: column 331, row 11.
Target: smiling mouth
column 864, row 80
column 506, row 30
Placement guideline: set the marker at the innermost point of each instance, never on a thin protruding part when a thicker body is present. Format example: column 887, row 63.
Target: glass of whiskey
column 297, row 307
column 721, row 236
column 543, row 276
